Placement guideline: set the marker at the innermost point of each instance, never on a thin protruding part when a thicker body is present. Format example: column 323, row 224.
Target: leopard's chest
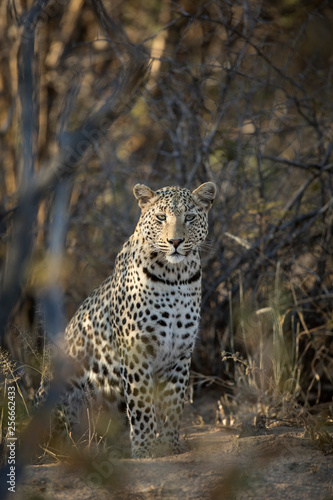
column 175, row 335
column 165, row 313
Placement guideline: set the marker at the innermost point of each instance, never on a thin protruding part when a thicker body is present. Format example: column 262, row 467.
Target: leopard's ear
column 143, row 194
column 204, row 195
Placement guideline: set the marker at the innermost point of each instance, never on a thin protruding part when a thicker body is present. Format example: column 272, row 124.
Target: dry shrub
column 239, row 93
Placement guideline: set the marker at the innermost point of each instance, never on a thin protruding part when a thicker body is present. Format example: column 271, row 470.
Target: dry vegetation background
column 240, row 93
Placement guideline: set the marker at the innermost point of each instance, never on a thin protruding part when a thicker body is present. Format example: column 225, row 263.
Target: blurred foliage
column 240, row 92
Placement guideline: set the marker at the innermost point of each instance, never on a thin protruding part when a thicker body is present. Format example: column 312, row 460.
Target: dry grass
column 239, row 93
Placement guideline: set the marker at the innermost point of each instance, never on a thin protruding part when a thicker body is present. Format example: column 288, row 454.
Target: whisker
column 209, row 241
column 206, row 246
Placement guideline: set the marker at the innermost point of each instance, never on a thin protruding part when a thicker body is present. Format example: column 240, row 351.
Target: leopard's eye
column 161, row 217
column 189, row 217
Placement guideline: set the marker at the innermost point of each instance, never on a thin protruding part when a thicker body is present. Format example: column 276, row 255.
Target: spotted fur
column 134, row 335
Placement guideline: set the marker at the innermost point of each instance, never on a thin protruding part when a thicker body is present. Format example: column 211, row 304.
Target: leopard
column 133, row 337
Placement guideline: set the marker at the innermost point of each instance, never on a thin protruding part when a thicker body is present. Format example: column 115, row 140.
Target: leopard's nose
column 176, row 243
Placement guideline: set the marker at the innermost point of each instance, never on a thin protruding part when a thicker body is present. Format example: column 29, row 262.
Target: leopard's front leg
column 139, row 394
column 170, row 397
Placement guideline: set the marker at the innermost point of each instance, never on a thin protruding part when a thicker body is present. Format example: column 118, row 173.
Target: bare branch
column 77, row 144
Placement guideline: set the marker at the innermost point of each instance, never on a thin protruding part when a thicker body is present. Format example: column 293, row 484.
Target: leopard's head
column 174, row 220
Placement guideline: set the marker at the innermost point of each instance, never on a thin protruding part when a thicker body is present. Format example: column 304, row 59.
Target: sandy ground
column 219, row 463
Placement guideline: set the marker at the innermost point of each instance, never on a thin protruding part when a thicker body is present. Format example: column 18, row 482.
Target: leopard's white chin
column 175, row 258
